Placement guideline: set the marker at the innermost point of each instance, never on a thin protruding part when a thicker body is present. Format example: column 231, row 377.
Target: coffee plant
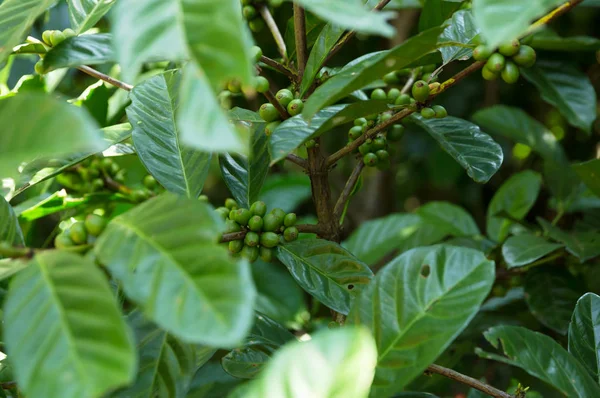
column 299, row 198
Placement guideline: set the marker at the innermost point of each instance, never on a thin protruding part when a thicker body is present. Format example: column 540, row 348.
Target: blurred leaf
column 589, row 172
column 436, row 12
column 10, row 266
column 564, row 86
column 584, row 245
column 157, row 140
column 285, row 191
column 325, row 270
column 505, row 20
column 265, row 338
column 452, row 219
column 514, row 295
column 473, row 149
column 10, row 230
column 62, row 320
column 40, row 125
column 85, row 14
column 211, row 381
column 365, row 71
column 60, row 201
column 524, row 249
column 547, row 39
column 584, row 333
column 95, row 99
column 516, row 196
column 334, row 363
column 80, row 50
column 551, row 296
column 542, row 357
column 163, row 236
column 462, row 29
column 417, row 305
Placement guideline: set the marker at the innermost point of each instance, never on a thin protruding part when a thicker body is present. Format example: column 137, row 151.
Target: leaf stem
column 101, row 76
column 411, row 80
column 345, row 195
column 279, row 67
column 266, row 14
column 469, row 381
column 300, row 35
column 297, row 160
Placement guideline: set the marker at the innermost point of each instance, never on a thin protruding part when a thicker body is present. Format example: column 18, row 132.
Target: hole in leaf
column 425, row 271
column 350, row 287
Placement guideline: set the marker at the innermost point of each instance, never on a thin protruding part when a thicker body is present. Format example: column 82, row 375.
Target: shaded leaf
column 584, row 333
column 462, row 29
column 547, row 39
column 211, row 381
column 452, row 219
column 435, row 12
column 589, row 172
column 10, row 266
column 524, row 249
column 80, row 50
column 10, row 230
column 584, row 245
column 84, row 14
column 285, row 191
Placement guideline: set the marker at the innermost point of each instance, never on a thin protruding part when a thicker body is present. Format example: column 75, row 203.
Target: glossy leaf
column 447, row 217
column 564, row 86
column 547, row 39
column 62, row 323
column 84, row 14
column 10, row 230
column 80, row 50
column 551, row 296
column 328, row 37
column 351, row 15
column 16, row 18
column 524, row 249
column 334, row 363
column 505, row 20
column 473, row 149
column 285, row 191
column 462, row 29
column 39, row 125
column 436, row 12
column 584, row 245
column 516, row 197
column 367, row 70
column 584, row 333
column 183, row 29
column 157, row 138
column 589, row 172
column 164, row 236
column 544, row 358
column 325, row 270
column 417, row 305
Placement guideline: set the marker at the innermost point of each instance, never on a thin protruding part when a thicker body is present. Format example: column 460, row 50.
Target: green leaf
column 462, row 29
column 62, row 323
column 435, row 12
column 564, row 86
column 10, row 230
column 245, row 175
column 157, row 139
column 211, row 381
column 584, row 245
column 351, row 15
column 547, row 39
column 204, row 127
column 516, row 196
column 544, row 358
column 325, row 270
column 84, row 14
column 589, row 172
column 16, row 18
column 295, row 131
column 285, row 191
column 584, row 333
column 417, row 305
column 265, row 338
column 184, row 29
column 10, row 266
column 361, row 73
column 551, row 296
column 80, row 50
column 505, row 20
column 314, row 26
column 206, row 298
column 473, row 149
column 447, row 217
column 334, row 363
column 40, row 125
column 524, row 249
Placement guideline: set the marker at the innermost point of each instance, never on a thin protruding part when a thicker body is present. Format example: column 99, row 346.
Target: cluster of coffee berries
column 81, row 233
column 270, row 114
column 234, row 87
column 505, row 61
column 263, row 231
column 252, row 15
column 420, row 91
column 374, row 151
column 399, row 77
column 52, row 38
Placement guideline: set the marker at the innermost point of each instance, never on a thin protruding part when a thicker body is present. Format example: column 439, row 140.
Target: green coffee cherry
column 249, row 12
column 379, row 143
column 57, row 37
column 365, row 148
column 224, row 99
column 271, row 223
column 295, row 107
column 289, row 220
column 429, row 68
column 256, row 52
column 46, row 37
column 488, row 74
column 258, row 208
column 510, row 48
column 256, row 25
column 427, row 113
column 525, row 57
column 393, row 95
column 275, row 3
column 284, row 97
column 382, row 155
column 266, row 254
column 373, row 116
column 97, row 184
column 232, row 214
column 231, row 227
column 370, row 159
column 384, row 117
column 269, row 239
column 236, row 246
column 242, row 216
column 39, row 67
column 355, row 132
column 378, row 94
column 361, row 121
column 231, row 204
column 271, row 127
column 95, row 224
column 139, row 195
column 250, row 253
column 150, row 182
column 510, row 73
column 496, row 63
column 69, row 33
column 203, row 198
column 440, row 111
column 261, row 84
column 78, row 233
column 223, row 212
column 420, row 91
column 482, row 53
column 268, row 112
column 252, row 239
column 290, row 234
column 396, row 133
column 403, row 99
column 255, row 223
column 234, row 86
column 391, row 78
column 310, row 144
column 62, row 241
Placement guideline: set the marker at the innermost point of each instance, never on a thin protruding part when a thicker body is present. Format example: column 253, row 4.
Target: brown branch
column 469, row 381
column 233, row 236
column 106, row 78
column 300, row 35
column 279, row 67
column 297, row 160
column 303, row 228
column 266, row 14
column 345, row 195
column 271, row 98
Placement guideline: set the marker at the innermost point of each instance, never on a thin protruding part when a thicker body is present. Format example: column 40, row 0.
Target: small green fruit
column 290, row 234
column 391, row 78
column 236, row 246
column 223, row 212
column 440, row 111
column 361, row 121
column 429, row 68
column 97, row 184
column 271, row 223
column 242, row 216
column 525, row 57
column 510, row 73
column 510, row 48
column 420, row 91
column 256, row 25
column 370, row 159
column 249, row 12
column 355, row 132
column 481, row 53
column 62, row 241
column 256, row 52
column 310, row 144
column 384, row 117
column 69, row 33
column 39, row 67
column 255, row 223
column 289, row 220
column 139, row 195
column 95, row 224
column 266, row 254
column 252, row 239
column 78, row 233
column 232, row 214
column 378, row 94
column 382, row 155
column 268, row 112
column 396, row 133
column 46, row 37
column 279, row 213
column 379, row 143
column 258, row 208
column 295, row 107
column 271, row 127
column 250, row 253
column 150, row 182
column 261, row 84
column 488, row 74
column 496, row 63
column 269, row 239
column 403, row 99
column 203, row 198
column 393, row 95
column 231, row 204
column 365, row 148
column 57, row 37
column 231, row 227
column 284, row 97
column 427, row 113
column 234, row 86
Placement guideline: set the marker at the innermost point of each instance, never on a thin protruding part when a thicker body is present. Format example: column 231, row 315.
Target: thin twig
column 233, row 236
column 345, row 195
column 297, row 160
column 300, row 35
column 411, row 80
column 106, row 78
column 266, row 14
column 279, row 67
column 303, row 228
column 271, row 98
column 469, row 381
